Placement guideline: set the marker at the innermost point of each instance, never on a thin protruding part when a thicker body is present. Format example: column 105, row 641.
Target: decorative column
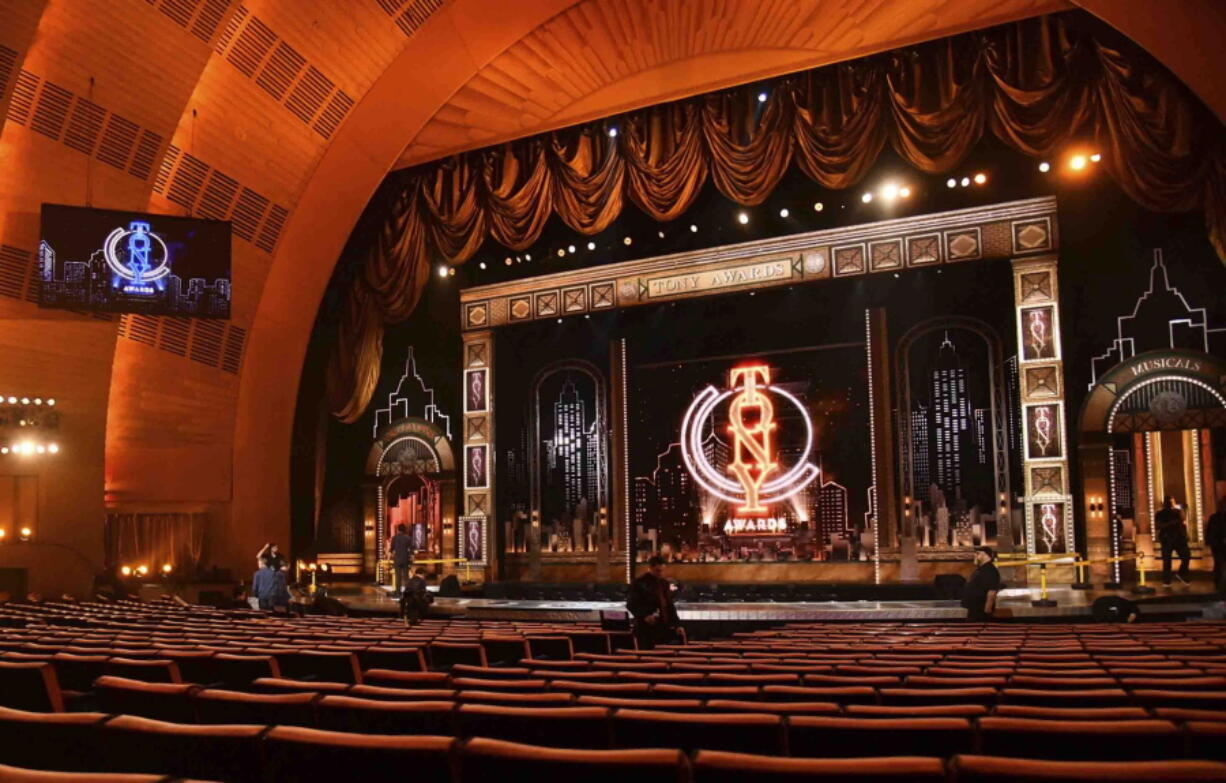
column 1047, row 504
column 477, row 457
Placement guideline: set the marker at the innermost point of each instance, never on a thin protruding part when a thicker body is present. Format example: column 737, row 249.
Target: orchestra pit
column 693, row 391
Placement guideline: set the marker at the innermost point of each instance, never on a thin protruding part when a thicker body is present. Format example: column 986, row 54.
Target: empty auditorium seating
column 310, row 756
column 722, row 767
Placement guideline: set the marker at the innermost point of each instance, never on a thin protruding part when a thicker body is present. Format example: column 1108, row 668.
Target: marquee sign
column 755, row 479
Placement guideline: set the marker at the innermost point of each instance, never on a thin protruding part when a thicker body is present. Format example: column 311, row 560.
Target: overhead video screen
column 134, row 262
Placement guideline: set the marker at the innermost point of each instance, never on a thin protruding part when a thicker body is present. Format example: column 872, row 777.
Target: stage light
column 27, row 448
column 742, row 218
column 3, row 533
column 818, row 206
column 693, row 229
column 627, row 241
column 126, row 570
column 613, row 132
column 591, row 245
column 54, row 448
column 951, row 183
column 660, row 234
column 1095, row 158
column 142, row 570
column 965, row 181
column 1044, row 167
column 784, row 212
column 570, row 248
column 51, row 401
column 25, row 533
column 559, row 320
column 167, row 568
column 527, row 256
column 25, row 400
column 867, row 197
column 4, row 449
column 904, row 192
column 508, row 261
column 761, row 97
column 482, row 265
column 41, row 449
column 1077, row 162
column 889, row 191
column 561, row 252
column 451, row 271
column 442, row 271
column 38, row 400
column 981, row 178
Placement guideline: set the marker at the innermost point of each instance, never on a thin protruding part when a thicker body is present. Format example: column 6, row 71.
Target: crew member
column 651, row 603
column 416, row 599
column 1215, row 537
column 1173, row 536
column 979, row 594
column 401, row 549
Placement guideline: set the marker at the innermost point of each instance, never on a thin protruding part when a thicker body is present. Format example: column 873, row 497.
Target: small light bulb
column 38, row 400
column 1096, row 157
column 54, row 448
column 591, row 245
column 818, row 206
column 981, row 178
column 442, row 271
column 126, row 570
column 966, row 181
column 1077, row 162
column 482, row 265
column 26, row 532
column 613, row 132
column 451, row 272
column 867, row 197
column 507, row 261
column 784, row 212
column 742, row 218
column 41, row 449
column 559, row 320
column 167, row 568
column 951, row 183
column 1044, row 167
column 660, row 234
column 25, row 400
column 570, row 248
column 761, row 97
column 693, row 229
column 889, row 192
column 561, row 252
column 527, row 256
column 51, row 401
column 904, row 191
column 627, row 241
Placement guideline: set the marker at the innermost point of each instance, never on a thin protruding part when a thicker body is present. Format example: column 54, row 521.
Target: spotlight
column 981, row 178
column 126, row 570
column 25, row 533
column 660, row 234
column 570, row 248
column 867, row 197
column 1077, row 162
column 53, row 448
column 27, row 448
column 51, row 401
column 904, row 191
column 142, row 569
column 627, row 241
column 693, row 229
column 889, row 191
column 613, row 132
column 442, row 271
column 951, row 182
column 527, row 256
column 167, row 568
column 561, row 252
column 4, row 449
column 742, row 218
column 1044, row 167
column 38, row 400
column 591, row 245
column 761, row 97
column 1095, row 158
column 508, row 261
column 483, row 265
column 25, row 400
column 784, row 212
column 559, row 320
column 818, row 206
column 965, row 181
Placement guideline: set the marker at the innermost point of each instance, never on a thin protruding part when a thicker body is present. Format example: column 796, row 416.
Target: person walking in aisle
column 651, row 603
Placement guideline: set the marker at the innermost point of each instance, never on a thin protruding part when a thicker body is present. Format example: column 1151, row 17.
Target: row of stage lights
column 887, row 193
column 143, row 570
column 27, row 400
column 23, row 534
column 28, row 448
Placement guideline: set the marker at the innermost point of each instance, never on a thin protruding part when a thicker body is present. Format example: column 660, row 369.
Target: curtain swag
column 1037, row 85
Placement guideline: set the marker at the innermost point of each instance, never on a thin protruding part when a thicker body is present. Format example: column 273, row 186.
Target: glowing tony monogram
column 751, row 420
column 752, row 428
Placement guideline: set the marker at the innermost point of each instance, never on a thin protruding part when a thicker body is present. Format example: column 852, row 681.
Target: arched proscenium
column 782, row 488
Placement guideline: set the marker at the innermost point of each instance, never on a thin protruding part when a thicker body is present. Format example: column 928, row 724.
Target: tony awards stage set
column 773, row 413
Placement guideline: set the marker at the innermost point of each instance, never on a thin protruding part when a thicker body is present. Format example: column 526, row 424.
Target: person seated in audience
column 651, row 603
column 415, row 599
column 979, row 594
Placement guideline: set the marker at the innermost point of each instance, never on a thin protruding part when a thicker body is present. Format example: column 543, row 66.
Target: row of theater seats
column 821, row 729
column 255, row 753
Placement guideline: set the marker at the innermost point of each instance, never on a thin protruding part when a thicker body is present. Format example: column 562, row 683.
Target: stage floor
column 1012, row 603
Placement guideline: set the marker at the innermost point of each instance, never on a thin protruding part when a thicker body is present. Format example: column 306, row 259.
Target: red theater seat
column 774, row 707
column 842, row 695
column 494, row 672
column 992, row 769
column 147, row 670
column 915, row 711
column 30, row 686
column 1079, row 740
column 239, row 671
column 1206, row 740
column 168, row 701
column 398, row 694
column 18, row 775
column 744, row 732
column 322, row 666
column 559, row 727
column 867, row 737
column 719, row 767
column 906, row 696
column 78, row 672
column 512, row 699
column 394, row 679
column 505, row 650
column 50, row 740
column 1073, row 713
column 1096, row 697
column 495, row 760
column 445, row 654
column 310, row 756
column 371, row 716
column 291, row 709
column 674, row 705
column 408, row 659
column 136, row 744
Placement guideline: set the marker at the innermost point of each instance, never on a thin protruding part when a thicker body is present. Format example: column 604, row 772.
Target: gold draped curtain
column 1038, row 85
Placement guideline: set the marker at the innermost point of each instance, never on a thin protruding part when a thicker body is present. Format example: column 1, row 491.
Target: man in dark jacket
column 416, row 599
column 651, row 603
column 979, row 594
column 400, row 547
column 1173, row 536
column 1215, row 537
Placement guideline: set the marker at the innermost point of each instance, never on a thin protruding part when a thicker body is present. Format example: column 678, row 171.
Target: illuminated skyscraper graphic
column 980, row 420
column 951, row 413
column 1122, row 498
column 921, row 466
column 832, row 521
column 566, row 452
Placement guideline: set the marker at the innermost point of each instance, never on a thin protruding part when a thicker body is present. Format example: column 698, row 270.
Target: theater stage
column 1013, row 604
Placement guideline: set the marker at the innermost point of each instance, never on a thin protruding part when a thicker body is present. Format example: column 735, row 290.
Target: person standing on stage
column 272, row 553
column 651, row 603
column 400, row 547
column 979, row 594
column 1173, row 536
column 1215, row 537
